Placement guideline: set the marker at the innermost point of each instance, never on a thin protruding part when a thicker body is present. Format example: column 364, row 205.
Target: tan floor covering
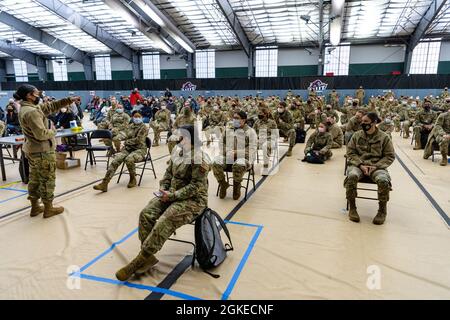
column 307, row 248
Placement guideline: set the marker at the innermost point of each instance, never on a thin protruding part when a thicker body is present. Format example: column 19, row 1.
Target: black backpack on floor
column 210, row 250
column 300, row 136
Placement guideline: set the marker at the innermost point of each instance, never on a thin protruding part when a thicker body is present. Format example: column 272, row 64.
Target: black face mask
column 355, row 104
column 36, row 100
column 261, row 117
column 427, row 108
column 366, row 126
column 329, row 123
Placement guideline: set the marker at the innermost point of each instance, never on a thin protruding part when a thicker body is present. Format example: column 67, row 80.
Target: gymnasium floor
column 292, row 237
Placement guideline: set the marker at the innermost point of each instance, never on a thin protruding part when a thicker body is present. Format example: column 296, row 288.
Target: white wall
column 445, row 52
column 75, row 67
column 171, row 62
column 120, row 64
column 231, row 59
column 297, row 57
column 376, row 54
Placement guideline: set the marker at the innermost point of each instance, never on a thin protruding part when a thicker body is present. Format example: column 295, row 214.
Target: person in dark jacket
column 12, row 121
column 63, row 118
column 147, row 112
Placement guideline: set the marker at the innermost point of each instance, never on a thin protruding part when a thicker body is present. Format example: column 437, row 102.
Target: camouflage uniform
column 205, row 110
column 266, row 142
column 441, row 128
column 332, row 113
column 360, row 94
column 117, row 123
column 238, row 153
column 187, row 186
column 285, row 123
column 321, row 142
column 161, row 123
column 422, row 118
column 409, row 117
column 299, row 117
column 374, row 150
column 134, row 150
column 352, row 126
column 387, row 128
column 217, row 120
column 337, row 136
column 184, row 118
column 39, row 147
column 2, row 128
column 334, row 100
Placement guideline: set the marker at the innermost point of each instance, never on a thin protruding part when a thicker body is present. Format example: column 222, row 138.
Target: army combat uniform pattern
column 321, row 142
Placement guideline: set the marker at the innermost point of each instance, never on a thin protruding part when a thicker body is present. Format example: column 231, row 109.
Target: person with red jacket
column 135, row 96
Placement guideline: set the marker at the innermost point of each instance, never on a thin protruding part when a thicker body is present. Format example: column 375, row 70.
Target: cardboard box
column 68, row 163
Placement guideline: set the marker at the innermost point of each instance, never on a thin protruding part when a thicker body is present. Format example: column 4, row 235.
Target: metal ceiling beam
column 165, row 23
column 68, row 50
column 233, row 20
column 95, row 31
column 27, row 56
column 321, row 60
column 421, row 29
column 144, row 23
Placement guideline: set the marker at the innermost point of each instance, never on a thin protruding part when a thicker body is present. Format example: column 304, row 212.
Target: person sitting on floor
column 135, row 150
column 182, row 197
column 318, row 146
column 369, row 153
column 441, row 135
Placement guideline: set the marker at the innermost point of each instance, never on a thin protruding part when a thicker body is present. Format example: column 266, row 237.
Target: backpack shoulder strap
column 225, row 229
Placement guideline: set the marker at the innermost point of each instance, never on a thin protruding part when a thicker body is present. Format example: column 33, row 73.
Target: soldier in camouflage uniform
column 330, row 112
column 387, row 126
column 360, row 94
column 309, row 112
column 216, row 123
column 185, row 117
column 401, row 115
column 239, row 148
column 39, row 147
column 445, row 94
column 353, row 125
column 205, row 109
column 440, row 134
column 424, row 124
column 285, row 124
column 369, row 153
column 184, row 196
column 298, row 115
column 116, row 123
column 161, row 123
column 135, row 150
column 337, row 136
column 409, row 119
column 265, row 127
column 334, row 99
column 320, row 142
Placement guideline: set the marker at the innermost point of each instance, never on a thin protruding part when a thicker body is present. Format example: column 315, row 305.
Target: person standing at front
column 39, row 147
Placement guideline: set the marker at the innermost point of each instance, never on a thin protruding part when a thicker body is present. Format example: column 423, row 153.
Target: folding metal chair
column 90, row 150
column 250, row 177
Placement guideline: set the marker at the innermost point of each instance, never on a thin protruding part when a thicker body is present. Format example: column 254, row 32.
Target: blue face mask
column 137, row 120
column 236, row 123
column 119, row 110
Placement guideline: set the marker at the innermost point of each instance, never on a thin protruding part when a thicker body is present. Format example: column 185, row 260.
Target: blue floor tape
column 12, row 189
column 20, row 195
column 244, row 259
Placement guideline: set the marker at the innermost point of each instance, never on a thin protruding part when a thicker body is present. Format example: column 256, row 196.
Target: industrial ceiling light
column 20, row 40
column 305, row 18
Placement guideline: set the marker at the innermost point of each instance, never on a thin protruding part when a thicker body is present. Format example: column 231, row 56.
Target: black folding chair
column 90, row 150
column 250, row 177
column 436, row 150
column 148, row 157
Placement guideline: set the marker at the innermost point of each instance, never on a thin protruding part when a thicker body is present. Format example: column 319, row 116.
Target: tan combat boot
column 126, row 272
column 132, row 182
column 444, row 160
column 36, row 209
column 103, row 186
column 416, row 146
column 50, row 210
column 150, row 262
column 381, row 215
column 289, row 152
column 223, row 186
column 352, row 213
column 236, row 190
column 156, row 142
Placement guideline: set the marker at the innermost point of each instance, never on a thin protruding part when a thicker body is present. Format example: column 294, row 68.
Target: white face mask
column 163, row 107
column 236, row 123
column 63, row 110
column 322, row 130
column 280, row 110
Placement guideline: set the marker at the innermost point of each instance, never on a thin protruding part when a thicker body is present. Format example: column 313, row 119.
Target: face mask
column 216, row 108
column 236, row 123
column 36, row 100
column 63, row 110
column 414, row 106
column 355, row 104
column 261, row 116
column 388, row 121
column 163, row 107
column 119, row 110
column 427, row 107
column 137, row 120
column 329, row 123
column 366, row 126
column 322, row 129
column 280, row 110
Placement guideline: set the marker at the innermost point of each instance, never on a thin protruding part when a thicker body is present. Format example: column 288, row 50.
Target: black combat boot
column 352, row 213
column 381, row 215
column 236, row 190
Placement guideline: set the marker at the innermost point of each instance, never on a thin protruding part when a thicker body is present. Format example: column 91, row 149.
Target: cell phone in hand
column 158, row 194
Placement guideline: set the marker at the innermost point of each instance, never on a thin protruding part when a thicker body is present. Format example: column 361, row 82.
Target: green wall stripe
column 173, row 73
column 444, row 67
column 364, row 69
column 238, row 72
column 294, row 71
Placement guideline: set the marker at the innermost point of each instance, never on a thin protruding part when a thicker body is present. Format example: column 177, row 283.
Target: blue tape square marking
column 173, row 293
